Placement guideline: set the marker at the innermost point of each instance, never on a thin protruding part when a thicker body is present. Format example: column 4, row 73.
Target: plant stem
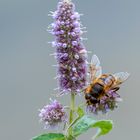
column 71, row 115
column 72, row 107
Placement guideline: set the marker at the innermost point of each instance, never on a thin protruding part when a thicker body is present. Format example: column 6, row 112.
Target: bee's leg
column 88, row 102
column 116, row 88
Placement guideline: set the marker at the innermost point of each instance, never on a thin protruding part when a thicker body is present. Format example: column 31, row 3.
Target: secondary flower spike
column 70, row 52
column 53, row 114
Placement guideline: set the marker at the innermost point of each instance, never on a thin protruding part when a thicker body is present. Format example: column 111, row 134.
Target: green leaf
column 50, row 136
column 105, row 126
column 86, row 122
column 70, row 138
column 82, row 125
column 80, row 112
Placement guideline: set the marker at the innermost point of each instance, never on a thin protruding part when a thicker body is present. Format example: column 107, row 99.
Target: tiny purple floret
column 53, row 114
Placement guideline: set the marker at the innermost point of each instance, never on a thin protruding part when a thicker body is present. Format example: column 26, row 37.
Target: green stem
column 72, row 107
column 71, row 116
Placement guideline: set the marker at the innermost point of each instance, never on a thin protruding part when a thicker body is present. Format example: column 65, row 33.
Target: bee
column 101, row 84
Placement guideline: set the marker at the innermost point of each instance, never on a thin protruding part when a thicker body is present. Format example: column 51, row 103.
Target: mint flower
column 52, row 114
column 70, row 52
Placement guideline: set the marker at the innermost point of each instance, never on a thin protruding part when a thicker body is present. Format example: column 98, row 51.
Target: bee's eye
column 97, row 88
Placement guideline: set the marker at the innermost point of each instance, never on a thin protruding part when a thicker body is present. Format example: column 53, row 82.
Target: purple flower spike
column 71, row 54
column 52, row 114
column 106, row 103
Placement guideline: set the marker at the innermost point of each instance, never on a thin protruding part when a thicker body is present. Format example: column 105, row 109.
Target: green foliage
column 50, row 136
column 80, row 112
column 105, row 126
column 80, row 125
column 86, row 122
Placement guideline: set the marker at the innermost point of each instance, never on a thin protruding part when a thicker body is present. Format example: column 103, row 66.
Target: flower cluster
column 70, row 52
column 53, row 114
column 106, row 103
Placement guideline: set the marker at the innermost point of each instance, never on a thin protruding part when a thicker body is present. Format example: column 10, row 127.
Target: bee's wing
column 95, row 68
column 121, row 77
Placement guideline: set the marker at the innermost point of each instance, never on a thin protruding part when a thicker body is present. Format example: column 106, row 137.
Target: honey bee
column 101, row 84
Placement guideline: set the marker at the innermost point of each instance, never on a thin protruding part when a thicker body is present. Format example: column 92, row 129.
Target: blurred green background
column 26, row 75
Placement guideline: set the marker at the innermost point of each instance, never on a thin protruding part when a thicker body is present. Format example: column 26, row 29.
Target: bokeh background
column 26, row 74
